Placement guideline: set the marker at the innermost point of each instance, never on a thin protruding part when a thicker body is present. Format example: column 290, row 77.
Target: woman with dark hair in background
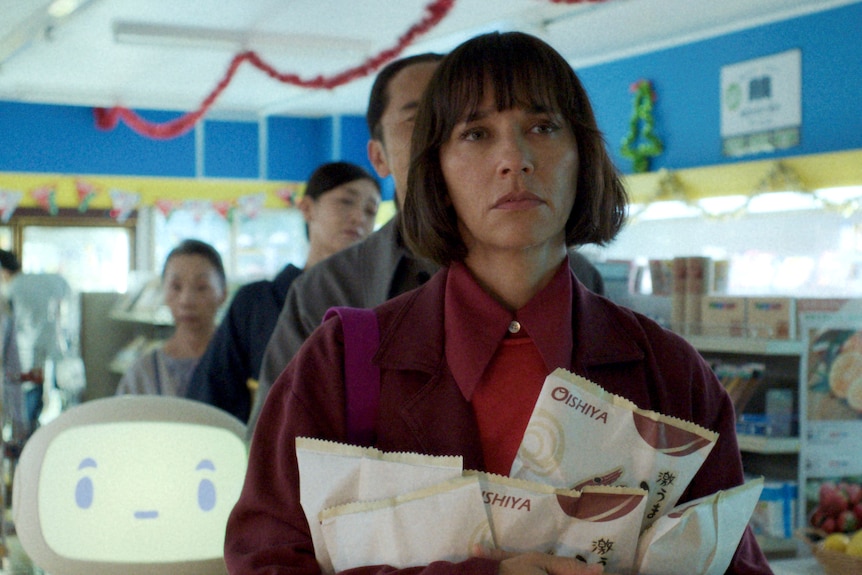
column 339, row 206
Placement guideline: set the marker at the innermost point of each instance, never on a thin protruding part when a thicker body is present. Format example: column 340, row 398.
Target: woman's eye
column 472, row 134
column 546, row 128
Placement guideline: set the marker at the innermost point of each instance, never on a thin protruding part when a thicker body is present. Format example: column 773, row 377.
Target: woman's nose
column 515, row 155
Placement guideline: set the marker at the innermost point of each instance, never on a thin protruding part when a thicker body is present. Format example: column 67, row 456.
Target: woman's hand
column 535, row 563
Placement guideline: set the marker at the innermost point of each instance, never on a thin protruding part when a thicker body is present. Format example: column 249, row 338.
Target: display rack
column 775, row 458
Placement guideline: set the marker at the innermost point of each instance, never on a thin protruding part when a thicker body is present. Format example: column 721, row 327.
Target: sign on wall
column 830, row 405
column 761, row 104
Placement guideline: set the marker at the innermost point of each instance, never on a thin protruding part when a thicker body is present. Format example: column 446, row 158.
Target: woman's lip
column 517, row 201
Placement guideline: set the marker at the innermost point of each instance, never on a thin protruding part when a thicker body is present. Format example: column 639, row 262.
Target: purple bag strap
column 361, row 376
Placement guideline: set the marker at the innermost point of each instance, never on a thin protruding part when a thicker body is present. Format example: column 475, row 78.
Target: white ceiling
column 77, row 60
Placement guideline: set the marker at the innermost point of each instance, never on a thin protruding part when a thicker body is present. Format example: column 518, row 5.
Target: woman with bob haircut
column 508, row 171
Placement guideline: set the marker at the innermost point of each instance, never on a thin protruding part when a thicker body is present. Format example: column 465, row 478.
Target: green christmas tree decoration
column 641, row 143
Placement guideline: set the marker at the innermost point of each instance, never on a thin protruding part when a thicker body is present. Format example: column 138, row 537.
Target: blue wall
column 687, row 83
column 64, row 139
column 45, row 138
column 297, row 146
column 231, row 150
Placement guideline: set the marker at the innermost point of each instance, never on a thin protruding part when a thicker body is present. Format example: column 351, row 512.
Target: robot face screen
column 140, row 492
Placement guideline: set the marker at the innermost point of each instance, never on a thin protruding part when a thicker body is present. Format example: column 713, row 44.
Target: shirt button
column 514, row 327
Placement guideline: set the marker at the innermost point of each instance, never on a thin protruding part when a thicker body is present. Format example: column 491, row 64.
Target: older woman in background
column 194, row 286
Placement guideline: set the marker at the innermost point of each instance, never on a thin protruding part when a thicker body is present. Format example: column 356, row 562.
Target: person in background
column 14, row 417
column 39, row 305
column 381, row 267
column 194, row 286
column 339, row 206
column 508, row 172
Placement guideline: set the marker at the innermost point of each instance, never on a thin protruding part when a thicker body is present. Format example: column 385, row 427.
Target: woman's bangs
column 464, row 93
column 520, row 75
column 529, row 89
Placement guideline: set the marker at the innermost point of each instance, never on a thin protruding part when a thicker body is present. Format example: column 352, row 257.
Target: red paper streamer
column 107, row 119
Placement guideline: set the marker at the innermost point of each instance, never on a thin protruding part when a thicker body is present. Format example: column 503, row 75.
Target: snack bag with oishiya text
column 335, row 473
column 698, row 537
column 443, row 522
column 580, row 434
column 596, row 525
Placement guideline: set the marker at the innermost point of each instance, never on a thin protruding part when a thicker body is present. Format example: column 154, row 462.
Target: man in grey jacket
column 380, row 267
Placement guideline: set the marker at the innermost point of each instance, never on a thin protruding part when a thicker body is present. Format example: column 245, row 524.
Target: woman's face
column 343, row 215
column 193, row 290
column 511, row 177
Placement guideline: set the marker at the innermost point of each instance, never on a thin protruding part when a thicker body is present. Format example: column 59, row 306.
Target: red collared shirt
column 500, row 359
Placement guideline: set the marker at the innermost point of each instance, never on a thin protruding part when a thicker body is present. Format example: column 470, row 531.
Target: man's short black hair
column 378, row 100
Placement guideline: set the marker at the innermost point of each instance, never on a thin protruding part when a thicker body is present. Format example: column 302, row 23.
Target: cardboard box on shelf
column 720, row 276
column 661, row 276
column 678, row 295
column 771, row 317
column 697, row 283
column 814, row 305
column 723, row 316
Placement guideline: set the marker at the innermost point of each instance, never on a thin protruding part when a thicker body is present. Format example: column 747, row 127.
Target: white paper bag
column 439, row 523
column 598, row 525
column 698, row 537
column 580, row 435
column 332, row 474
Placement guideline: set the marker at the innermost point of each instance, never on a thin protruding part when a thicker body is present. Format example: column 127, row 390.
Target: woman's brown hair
column 525, row 72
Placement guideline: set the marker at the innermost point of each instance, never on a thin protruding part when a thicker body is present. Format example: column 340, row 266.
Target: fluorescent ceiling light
column 61, row 8
column 231, row 40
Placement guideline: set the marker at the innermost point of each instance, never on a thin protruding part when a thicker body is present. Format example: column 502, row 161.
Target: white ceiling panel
column 169, row 54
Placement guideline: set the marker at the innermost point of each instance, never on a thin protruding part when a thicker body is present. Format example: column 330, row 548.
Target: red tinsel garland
column 107, row 119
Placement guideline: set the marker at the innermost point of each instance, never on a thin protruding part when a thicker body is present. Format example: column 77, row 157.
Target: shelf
column 769, row 445
column 778, row 545
column 750, row 346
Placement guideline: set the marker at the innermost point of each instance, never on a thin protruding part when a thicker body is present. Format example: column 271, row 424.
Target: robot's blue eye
column 206, row 495
column 84, row 493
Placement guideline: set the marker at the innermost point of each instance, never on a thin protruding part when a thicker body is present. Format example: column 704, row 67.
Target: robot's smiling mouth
column 146, row 514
